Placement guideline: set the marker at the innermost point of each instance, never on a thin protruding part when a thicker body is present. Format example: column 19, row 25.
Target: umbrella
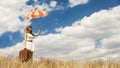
column 36, row 14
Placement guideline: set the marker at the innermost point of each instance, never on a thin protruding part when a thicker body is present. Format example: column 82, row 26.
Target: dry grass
column 47, row 63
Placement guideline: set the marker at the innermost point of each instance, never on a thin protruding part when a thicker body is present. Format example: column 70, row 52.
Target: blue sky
column 59, row 18
column 62, row 15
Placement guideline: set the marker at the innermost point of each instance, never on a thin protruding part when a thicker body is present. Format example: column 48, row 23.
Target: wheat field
column 55, row 63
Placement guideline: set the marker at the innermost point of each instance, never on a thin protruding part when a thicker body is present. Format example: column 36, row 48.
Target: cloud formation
column 53, row 3
column 13, row 13
column 79, row 39
column 73, row 3
column 10, row 11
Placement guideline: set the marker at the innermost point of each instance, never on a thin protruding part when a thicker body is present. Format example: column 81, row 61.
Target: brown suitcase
column 25, row 55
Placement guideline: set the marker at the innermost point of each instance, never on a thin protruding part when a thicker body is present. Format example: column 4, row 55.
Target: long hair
column 27, row 29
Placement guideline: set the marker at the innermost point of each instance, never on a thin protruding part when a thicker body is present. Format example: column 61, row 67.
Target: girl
column 28, row 38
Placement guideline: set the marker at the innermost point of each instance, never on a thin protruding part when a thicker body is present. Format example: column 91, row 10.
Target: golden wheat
column 54, row 63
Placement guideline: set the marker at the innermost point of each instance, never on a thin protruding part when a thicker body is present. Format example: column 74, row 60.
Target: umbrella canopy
column 36, row 14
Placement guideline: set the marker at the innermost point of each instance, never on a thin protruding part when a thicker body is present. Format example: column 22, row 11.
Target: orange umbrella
column 36, row 14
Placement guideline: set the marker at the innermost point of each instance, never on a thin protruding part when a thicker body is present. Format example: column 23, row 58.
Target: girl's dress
column 29, row 44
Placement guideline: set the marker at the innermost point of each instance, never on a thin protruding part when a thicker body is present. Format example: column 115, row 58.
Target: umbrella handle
column 39, row 26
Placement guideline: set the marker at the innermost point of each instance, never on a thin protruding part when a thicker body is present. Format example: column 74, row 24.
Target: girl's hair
column 27, row 29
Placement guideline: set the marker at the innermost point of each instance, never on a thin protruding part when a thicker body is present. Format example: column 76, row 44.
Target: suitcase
column 25, row 55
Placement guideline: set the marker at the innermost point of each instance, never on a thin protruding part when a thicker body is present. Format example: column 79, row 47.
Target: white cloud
column 44, row 6
column 11, row 51
column 111, row 42
column 11, row 10
column 59, row 29
column 102, row 24
column 79, row 39
column 110, row 48
column 43, row 32
column 77, row 2
column 48, row 7
column 60, row 45
column 53, row 3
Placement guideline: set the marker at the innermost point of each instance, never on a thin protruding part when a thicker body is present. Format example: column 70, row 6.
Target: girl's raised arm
column 39, row 27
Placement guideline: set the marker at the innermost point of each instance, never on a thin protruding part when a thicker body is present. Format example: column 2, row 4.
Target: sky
column 82, row 29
